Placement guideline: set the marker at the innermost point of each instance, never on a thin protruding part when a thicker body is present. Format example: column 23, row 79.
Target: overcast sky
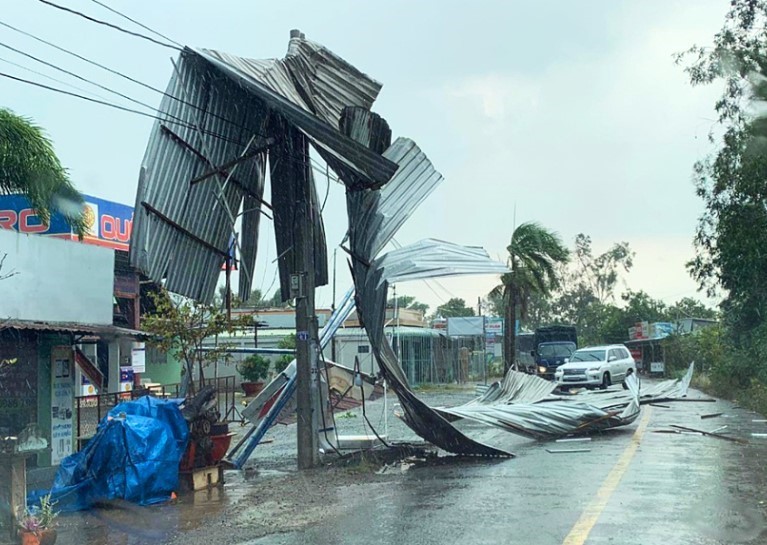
column 572, row 112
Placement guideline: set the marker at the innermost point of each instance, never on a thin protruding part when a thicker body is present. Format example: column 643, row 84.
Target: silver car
column 596, row 367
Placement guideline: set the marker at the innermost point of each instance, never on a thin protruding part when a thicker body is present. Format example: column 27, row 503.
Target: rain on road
column 634, row 486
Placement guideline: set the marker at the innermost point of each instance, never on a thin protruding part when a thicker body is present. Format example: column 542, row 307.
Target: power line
column 110, row 25
column 137, row 23
column 81, row 78
column 106, row 103
column 17, row 65
column 315, row 167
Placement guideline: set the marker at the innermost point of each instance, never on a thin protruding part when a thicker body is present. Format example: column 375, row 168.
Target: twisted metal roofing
column 220, row 109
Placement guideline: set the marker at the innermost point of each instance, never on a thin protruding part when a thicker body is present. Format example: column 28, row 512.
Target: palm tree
column 28, row 165
column 534, row 252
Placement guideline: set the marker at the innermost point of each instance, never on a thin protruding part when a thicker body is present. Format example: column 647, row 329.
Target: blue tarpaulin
column 134, row 456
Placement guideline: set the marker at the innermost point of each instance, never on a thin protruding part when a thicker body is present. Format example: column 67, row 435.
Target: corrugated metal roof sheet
column 77, row 329
column 181, row 230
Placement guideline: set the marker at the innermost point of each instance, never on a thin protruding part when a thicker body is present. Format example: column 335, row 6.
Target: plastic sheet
column 134, row 456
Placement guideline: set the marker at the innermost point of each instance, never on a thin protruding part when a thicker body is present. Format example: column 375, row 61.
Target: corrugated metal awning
column 75, row 328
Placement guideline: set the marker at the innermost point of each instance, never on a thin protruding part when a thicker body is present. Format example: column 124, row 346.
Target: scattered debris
column 759, row 435
column 759, row 420
column 567, row 451
column 720, row 428
column 659, row 405
column 710, row 415
column 573, row 439
column 711, row 434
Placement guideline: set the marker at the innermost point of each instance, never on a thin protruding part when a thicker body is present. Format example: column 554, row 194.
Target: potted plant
column 253, row 369
column 36, row 524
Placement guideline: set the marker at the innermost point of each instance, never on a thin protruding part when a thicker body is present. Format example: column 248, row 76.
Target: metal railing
column 90, row 410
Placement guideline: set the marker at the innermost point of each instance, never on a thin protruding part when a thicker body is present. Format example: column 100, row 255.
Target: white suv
column 595, row 366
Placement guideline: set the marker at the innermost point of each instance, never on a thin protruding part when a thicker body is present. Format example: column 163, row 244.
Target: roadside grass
column 752, row 397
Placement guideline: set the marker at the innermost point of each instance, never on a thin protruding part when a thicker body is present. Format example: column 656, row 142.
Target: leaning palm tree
column 28, row 165
column 534, row 252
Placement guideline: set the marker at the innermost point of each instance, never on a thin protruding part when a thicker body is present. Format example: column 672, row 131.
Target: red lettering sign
column 111, row 228
column 8, row 219
column 34, row 226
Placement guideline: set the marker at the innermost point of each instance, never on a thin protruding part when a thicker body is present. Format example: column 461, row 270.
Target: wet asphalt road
column 634, row 486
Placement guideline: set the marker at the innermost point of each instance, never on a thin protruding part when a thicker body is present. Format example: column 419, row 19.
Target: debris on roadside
column 712, row 434
column 759, row 420
column 659, row 405
column 573, row 439
column 567, row 451
column 759, row 435
column 710, row 415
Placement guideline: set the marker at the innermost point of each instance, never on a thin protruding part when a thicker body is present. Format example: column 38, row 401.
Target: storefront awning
column 108, row 331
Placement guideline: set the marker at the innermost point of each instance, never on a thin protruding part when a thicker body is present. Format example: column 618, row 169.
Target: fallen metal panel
column 553, row 418
column 195, row 135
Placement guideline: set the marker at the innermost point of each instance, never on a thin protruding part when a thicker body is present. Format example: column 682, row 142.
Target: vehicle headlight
column 542, row 369
column 593, row 369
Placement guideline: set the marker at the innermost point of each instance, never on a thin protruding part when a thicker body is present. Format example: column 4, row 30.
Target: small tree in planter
column 253, row 369
column 283, row 361
column 36, row 524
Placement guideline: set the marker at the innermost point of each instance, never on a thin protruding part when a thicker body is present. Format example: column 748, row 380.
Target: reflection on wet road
column 630, row 488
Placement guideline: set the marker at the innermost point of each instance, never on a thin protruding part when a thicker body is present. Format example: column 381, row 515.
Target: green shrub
column 254, row 368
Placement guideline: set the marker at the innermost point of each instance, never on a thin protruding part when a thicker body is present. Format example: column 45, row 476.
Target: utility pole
column 302, row 286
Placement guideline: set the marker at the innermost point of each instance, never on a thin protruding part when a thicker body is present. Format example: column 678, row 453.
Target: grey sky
column 572, row 111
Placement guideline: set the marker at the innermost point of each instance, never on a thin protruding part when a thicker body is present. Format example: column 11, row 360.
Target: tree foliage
column 180, row 326
column 732, row 231
column 534, row 253
column 409, row 302
column 28, row 165
column 454, row 308
column 283, row 361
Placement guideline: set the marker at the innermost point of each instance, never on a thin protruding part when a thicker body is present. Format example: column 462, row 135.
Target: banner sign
column 109, row 223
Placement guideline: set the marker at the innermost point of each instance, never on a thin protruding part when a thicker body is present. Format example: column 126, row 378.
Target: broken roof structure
column 207, row 155
column 222, row 118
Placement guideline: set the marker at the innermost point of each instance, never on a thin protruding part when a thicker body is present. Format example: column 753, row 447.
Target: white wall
column 55, row 280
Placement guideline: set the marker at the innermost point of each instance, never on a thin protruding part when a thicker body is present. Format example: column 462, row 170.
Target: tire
column 605, row 381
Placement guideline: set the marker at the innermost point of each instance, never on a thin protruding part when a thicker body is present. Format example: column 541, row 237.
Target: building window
column 363, row 349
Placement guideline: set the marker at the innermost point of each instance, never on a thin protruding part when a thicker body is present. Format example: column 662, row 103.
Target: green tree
column 454, row 308
column 409, row 302
column 534, row 253
column 732, row 232
column 587, row 292
column 288, row 342
column 181, row 326
column 688, row 307
column 28, row 165
column 638, row 307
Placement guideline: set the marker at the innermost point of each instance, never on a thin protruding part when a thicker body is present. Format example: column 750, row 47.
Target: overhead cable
column 163, row 36
column 110, row 25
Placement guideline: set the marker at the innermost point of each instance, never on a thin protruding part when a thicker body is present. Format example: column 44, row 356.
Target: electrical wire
column 107, row 24
column 163, row 36
column 61, row 82
column 314, row 163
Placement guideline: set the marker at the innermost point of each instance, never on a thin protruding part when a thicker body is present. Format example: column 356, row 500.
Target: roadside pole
column 302, row 288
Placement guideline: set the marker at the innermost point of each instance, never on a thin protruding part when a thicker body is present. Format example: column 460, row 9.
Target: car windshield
column 556, row 350
column 588, row 355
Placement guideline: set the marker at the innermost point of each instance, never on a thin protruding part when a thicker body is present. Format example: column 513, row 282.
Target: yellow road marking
column 582, row 528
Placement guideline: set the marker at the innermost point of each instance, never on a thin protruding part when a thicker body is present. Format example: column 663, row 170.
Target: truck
column 552, row 346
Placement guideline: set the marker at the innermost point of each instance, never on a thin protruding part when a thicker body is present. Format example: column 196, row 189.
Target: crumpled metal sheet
column 516, row 388
column 235, row 101
column 526, row 405
column 278, row 84
column 374, row 217
column 176, row 154
column 550, row 419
